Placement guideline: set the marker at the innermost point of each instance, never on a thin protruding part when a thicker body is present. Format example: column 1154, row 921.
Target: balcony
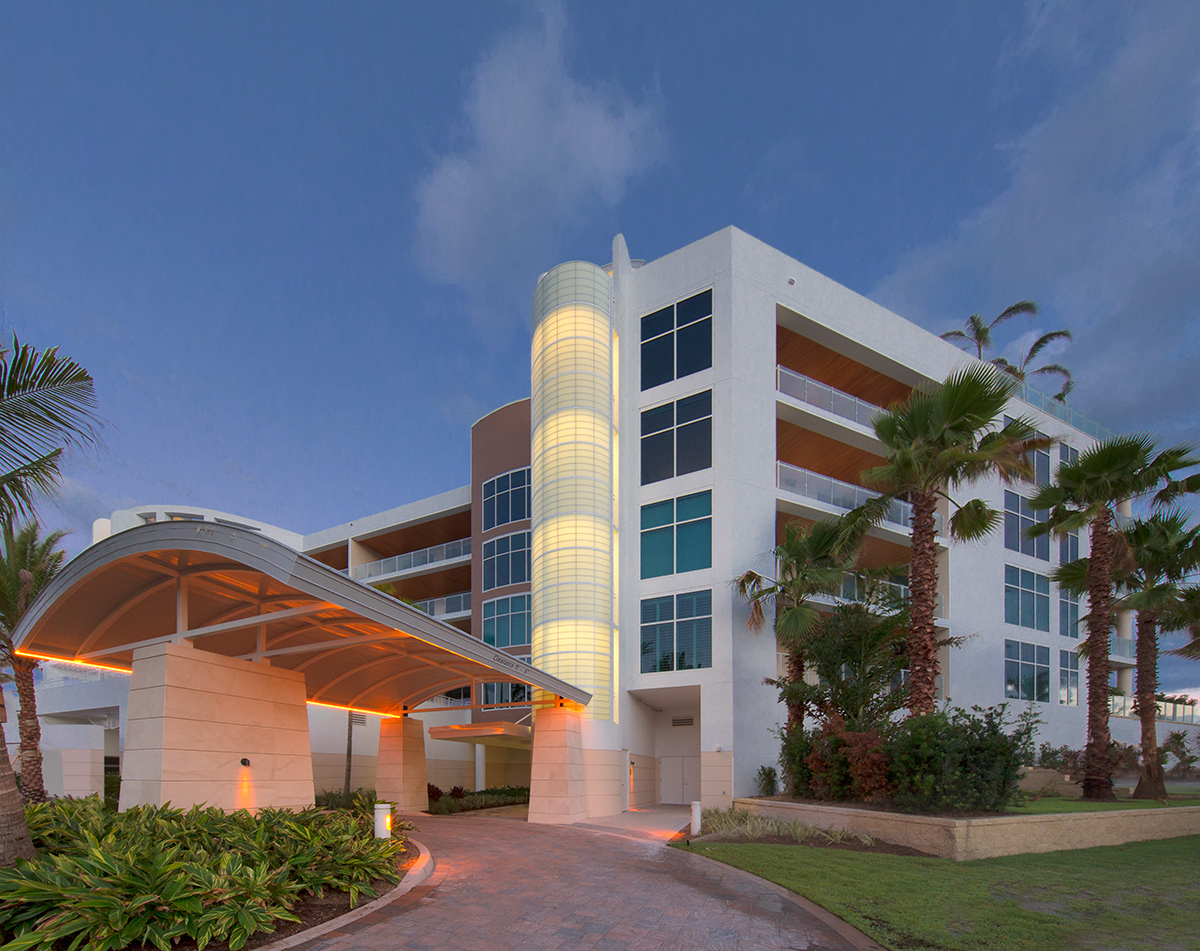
column 451, row 604
column 1061, row 411
column 1121, row 648
column 850, row 592
column 1169, row 712
column 807, row 390
column 433, row 556
column 842, row 495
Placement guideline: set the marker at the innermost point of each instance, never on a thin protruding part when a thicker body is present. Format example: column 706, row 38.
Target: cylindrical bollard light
column 383, row 820
column 695, row 818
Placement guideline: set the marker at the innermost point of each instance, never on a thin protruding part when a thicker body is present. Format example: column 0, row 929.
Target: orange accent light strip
column 77, row 663
column 338, row 706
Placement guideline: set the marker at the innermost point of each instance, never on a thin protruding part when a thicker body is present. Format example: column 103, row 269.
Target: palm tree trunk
column 1097, row 757
column 14, row 832
column 922, row 582
column 1152, row 783
column 796, row 709
column 33, row 787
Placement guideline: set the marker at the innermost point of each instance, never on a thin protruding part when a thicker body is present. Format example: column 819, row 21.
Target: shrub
column 158, row 875
column 457, row 792
column 767, row 781
column 1062, row 758
column 827, row 761
column 794, row 746
column 955, row 761
column 435, row 792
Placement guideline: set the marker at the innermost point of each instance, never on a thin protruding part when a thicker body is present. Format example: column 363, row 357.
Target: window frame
column 662, row 338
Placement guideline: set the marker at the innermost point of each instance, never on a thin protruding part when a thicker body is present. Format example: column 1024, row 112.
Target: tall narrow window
column 677, row 340
column 1068, row 678
column 1068, row 615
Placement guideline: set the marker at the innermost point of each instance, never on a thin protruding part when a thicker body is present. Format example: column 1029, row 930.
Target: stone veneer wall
column 645, row 788
column 329, row 771
column 400, row 775
column 716, row 779
column 966, row 839
column 194, row 715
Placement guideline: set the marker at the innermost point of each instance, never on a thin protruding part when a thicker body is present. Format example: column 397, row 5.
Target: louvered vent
column 682, row 721
column 359, row 719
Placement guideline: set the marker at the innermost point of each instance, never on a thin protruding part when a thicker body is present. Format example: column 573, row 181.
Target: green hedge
column 158, row 875
column 484, row 799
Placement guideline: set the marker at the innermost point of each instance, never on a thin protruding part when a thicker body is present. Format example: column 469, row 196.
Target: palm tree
column 1163, row 551
column 29, row 563
column 977, row 333
column 47, row 403
column 1021, row 371
column 810, row 561
column 1086, row 493
column 937, row 440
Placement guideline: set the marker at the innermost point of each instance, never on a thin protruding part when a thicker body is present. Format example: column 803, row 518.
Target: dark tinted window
column 658, row 361
column 677, row 340
column 693, row 348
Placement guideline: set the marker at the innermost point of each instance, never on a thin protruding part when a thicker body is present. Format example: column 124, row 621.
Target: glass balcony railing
column 447, row 551
column 850, row 591
column 1060, row 410
column 1121, row 647
column 807, row 390
column 450, row 604
column 840, row 494
column 1167, row 710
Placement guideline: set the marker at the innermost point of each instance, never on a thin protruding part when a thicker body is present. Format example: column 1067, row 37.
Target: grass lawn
column 1132, row 897
column 1047, row 805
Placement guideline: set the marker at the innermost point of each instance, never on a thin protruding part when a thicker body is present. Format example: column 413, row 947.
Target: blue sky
column 295, row 243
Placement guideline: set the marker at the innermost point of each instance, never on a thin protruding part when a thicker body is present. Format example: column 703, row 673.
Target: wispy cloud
column 539, row 149
column 1100, row 219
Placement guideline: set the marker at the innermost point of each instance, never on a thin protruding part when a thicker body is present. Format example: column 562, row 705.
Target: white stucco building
column 682, row 412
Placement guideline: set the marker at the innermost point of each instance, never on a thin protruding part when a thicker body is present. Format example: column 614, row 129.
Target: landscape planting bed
column 987, row 837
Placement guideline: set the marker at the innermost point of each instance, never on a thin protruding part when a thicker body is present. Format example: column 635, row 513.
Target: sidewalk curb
column 418, row 874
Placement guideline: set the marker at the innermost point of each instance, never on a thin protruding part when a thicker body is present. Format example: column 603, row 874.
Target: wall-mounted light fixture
column 245, row 762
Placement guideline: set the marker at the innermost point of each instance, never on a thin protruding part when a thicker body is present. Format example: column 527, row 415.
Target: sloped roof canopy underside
column 234, row 592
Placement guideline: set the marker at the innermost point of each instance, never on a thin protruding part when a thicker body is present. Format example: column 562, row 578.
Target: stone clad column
column 557, row 792
column 204, row 728
column 400, row 770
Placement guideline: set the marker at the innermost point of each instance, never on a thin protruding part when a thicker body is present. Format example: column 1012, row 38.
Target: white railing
column 1060, row 410
column 450, row 604
column 1167, row 710
column 850, row 592
column 841, row 494
column 807, row 390
column 1121, row 647
column 447, row 551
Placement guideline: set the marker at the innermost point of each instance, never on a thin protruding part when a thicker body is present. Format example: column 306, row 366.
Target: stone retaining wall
column 966, row 839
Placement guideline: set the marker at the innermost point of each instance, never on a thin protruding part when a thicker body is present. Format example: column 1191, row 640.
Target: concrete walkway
column 500, row 884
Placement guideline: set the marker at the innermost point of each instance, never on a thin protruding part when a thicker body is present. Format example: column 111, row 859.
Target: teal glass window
column 677, row 535
column 506, row 621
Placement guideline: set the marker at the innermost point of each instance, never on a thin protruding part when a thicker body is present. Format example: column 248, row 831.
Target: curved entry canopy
column 235, row 592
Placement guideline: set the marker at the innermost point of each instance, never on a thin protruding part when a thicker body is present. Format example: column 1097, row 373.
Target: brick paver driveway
column 501, row 884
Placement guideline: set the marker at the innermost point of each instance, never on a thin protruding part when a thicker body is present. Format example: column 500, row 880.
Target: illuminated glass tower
column 572, row 421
